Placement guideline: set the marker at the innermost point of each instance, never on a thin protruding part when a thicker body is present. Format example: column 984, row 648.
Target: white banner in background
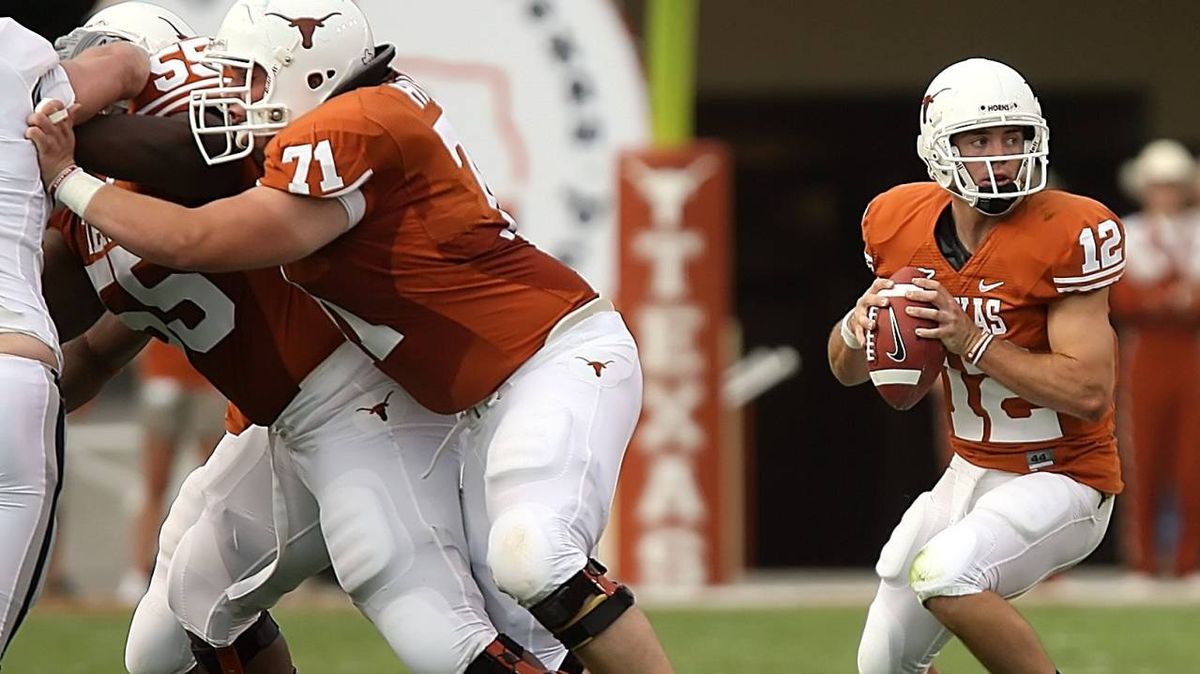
column 544, row 93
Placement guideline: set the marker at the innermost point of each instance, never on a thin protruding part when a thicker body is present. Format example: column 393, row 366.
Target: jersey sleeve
column 870, row 253
column 1092, row 253
column 70, row 226
column 328, row 153
column 25, row 52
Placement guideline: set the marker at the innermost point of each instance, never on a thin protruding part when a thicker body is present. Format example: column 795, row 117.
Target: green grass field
column 1125, row 640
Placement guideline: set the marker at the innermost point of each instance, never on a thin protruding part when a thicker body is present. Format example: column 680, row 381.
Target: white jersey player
column 30, row 409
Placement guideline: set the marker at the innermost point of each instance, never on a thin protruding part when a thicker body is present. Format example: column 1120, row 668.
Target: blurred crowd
column 1156, row 308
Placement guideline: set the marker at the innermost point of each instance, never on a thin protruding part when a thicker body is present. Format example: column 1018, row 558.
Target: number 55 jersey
column 1051, row 246
column 254, row 336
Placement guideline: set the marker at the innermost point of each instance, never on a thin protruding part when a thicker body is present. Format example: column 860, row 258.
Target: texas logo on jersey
column 1054, row 244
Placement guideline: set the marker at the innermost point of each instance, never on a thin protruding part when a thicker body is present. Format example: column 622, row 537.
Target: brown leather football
column 903, row 366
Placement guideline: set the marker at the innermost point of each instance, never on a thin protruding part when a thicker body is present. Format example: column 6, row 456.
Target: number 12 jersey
column 1052, row 245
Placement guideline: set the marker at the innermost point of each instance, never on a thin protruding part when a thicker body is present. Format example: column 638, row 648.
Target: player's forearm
column 1055, row 381
column 154, row 230
column 93, row 358
column 84, row 374
column 104, row 75
column 156, row 152
column 848, row 365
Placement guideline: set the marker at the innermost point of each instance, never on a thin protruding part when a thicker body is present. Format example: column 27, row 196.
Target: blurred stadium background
column 759, row 491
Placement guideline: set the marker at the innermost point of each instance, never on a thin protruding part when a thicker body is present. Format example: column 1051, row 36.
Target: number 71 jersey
column 431, row 280
column 1052, row 245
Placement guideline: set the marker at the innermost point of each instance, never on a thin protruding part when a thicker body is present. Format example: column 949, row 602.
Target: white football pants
column 31, row 457
column 541, row 460
column 344, row 461
column 977, row 530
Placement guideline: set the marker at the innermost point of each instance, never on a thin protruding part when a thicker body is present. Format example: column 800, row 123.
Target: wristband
column 76, row 189
column 53, row 185
column 848, row 335
column 975, row 353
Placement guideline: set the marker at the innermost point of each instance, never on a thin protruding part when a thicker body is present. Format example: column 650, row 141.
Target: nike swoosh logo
column 988, row 287
column 898, row 354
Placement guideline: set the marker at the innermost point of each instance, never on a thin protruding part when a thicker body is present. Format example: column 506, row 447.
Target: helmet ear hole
column 315, row 80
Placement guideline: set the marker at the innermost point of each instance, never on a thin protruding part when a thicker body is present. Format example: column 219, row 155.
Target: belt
column 564, row 325
column 470, row 417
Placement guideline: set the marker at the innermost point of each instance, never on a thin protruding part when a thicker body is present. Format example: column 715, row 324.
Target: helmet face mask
column 974, row 95
column 232, row 110
column 306, row 49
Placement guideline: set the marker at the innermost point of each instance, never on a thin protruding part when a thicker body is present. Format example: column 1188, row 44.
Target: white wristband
column 77, row 190
column 848, row 335
column 975, row 353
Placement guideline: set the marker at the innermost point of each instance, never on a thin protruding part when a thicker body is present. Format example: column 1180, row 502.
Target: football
column 903, row 366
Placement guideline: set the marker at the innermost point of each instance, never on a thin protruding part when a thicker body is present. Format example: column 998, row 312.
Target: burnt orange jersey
column 431, row 281
column 253, row 335
column 160, row 360
column 1051, row 245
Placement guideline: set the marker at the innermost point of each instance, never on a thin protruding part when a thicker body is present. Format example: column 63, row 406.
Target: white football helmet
column 147, row 25
column 976, row 94
column 308, row 49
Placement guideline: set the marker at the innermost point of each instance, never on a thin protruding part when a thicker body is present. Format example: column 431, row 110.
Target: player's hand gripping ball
column 902, row 366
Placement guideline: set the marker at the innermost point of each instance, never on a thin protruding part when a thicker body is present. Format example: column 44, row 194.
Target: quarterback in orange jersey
column 372, row 204
column 336, row 478
column 1018, row 277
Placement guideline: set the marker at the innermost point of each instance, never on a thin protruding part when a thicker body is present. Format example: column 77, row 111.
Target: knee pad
column 530, row 553
column 505, row 656
column 364, row 545
column 185, row 511
column 906, row 539
column 946, row 566
column 233, row 659
column 583, row 607
column 157, row 643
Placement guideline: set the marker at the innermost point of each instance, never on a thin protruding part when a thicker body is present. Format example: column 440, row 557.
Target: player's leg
column 256, row 539
column 1017, row 534
column 396, row 539
column 1149, row 399
column 553, row 445
column 1186, row 444
column 900, row 636
column 506, row 614
column 31, row 456
column 162, row 411
column 157, row 643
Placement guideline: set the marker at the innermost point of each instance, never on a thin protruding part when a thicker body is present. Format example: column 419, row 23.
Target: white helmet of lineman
column 308, row 48
column 975, row 94
column 144, row 24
